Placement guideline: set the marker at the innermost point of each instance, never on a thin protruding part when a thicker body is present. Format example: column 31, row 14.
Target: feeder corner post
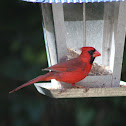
column 119, row 38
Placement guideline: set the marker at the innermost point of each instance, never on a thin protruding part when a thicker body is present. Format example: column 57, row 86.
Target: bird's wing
column 67, row 66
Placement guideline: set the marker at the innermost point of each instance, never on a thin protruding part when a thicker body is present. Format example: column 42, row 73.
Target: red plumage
column 71, row 71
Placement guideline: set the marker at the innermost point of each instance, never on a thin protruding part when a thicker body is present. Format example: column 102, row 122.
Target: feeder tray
column 79, row 93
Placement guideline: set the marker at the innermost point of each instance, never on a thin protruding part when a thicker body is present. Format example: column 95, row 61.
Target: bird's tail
column 45, row 77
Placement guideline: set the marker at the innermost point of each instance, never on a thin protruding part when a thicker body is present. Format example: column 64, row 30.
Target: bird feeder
column 71, row 24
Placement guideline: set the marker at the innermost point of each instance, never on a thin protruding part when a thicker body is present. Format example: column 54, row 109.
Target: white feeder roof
column 70, row 1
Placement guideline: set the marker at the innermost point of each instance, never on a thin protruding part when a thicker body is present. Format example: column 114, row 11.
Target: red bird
column 71, row 71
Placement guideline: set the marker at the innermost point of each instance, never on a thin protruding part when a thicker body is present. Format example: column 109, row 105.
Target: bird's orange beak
column 96, row 53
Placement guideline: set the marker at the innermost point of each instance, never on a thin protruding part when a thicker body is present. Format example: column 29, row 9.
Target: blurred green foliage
column 123, row 76
column 23, row 45
column 22, row 58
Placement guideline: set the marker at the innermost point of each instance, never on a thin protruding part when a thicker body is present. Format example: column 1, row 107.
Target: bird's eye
column 94, row 50
column 91, row 52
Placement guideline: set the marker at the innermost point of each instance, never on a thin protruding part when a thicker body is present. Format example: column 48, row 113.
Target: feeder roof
column 70, row 1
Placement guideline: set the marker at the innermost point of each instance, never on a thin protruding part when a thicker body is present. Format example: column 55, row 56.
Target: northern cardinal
column 71, row 71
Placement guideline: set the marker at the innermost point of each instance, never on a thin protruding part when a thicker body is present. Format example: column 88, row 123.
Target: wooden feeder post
column 74, row 24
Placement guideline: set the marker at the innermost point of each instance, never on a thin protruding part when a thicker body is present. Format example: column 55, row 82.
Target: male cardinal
column 71, row 71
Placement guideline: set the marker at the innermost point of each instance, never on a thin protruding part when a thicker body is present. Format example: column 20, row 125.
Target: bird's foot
column 79, row 86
